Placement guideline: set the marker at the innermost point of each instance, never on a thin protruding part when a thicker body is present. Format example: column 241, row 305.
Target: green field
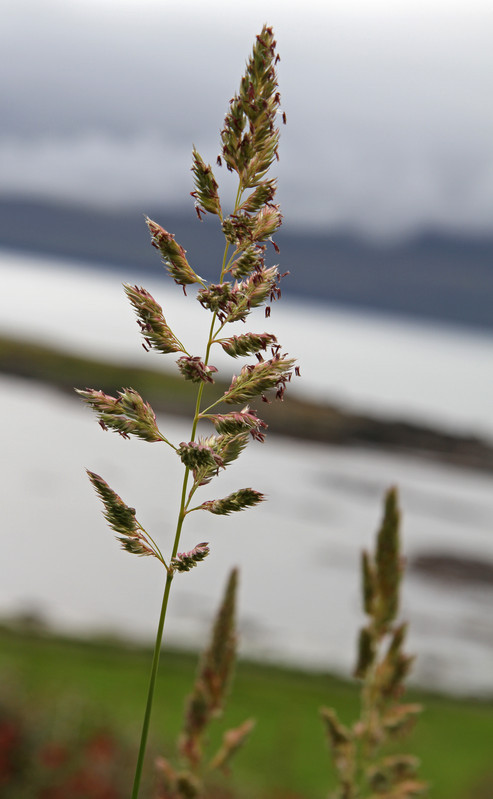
column 68, row 682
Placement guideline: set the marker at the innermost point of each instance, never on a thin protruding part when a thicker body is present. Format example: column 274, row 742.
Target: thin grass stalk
column 150, row 692
column 249, row 147
column 169, row 577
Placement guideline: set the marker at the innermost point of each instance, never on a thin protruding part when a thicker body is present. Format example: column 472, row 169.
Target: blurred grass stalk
column 364, row 768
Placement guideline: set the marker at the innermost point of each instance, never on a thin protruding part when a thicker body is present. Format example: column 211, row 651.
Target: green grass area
column 286, row 755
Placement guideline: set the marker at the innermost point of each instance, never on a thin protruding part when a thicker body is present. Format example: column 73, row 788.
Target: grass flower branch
column 205, row 705
column 250, row 140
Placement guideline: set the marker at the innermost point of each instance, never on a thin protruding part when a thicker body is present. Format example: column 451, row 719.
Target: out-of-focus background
column 386, row 185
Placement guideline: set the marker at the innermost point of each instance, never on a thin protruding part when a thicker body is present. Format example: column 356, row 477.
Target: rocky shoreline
column 301, row 419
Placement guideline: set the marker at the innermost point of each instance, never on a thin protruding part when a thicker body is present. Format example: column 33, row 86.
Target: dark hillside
column 434, row 277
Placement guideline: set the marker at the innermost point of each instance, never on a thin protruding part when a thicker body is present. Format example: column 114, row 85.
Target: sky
column 390, row 121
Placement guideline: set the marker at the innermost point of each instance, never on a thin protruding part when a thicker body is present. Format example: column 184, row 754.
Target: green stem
column 157, row 646
column 153, row 544
column 152, row 684
column 159, row 635
column 169, row 577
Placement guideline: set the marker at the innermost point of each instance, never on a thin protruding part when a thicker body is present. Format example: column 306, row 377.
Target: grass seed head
column 255, row 379
column 250, row 136
column 173, row 254
column 247, row 344
column 238, row 500
column 251, row 259
column 242, row 421
column 119, row 516
column 154, row 328
column 369, row 583
column 126, row 414
column 249, row 293
column 184, row 561
column 215, row 297
column 263, row 194
column 199, row 455
column 206, row 188
column 388, row 560
column 233, row 740
column 194, row 369
column 366, row 652
column 267, row 221
column 214, row 674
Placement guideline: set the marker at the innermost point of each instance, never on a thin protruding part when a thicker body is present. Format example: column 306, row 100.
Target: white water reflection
column 432, row 374
column 298, row 552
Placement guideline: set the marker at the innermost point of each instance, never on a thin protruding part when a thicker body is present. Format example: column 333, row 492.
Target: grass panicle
column 193, row 773
column 206, row 703
column 364, row 766
column 121, row 518
column 250, row 139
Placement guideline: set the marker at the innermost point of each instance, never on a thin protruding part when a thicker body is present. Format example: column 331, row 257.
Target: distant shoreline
column 301, row 419
column 433, row 276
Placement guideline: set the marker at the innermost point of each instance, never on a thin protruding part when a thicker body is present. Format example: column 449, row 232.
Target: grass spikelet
column 250, row 293
column 247, row 344
column 366, row 652
column 263, row 194
column 267, row 221
column 250, row 260
column 224, row 449
column 154, row 328
column 126, row 414
column 387, row 560
column 237, row 501
column 229, row 447
column 216, row 297
column 250, row 137
column 173, row 254
column 198, row 455
column 206, row 188
column 120, row 517
column 235, row 422
column 341, row 742
column 215, row 670
column 184, row 561
column 217, row 664
column 194, row 369
column 369, row 592
column 256, row 379
column 233, row 740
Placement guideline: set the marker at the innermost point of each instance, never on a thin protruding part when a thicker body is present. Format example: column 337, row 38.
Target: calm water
column 299, row 551
column 440, row 375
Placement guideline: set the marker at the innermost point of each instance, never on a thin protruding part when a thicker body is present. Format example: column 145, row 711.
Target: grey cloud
column 388, row 125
